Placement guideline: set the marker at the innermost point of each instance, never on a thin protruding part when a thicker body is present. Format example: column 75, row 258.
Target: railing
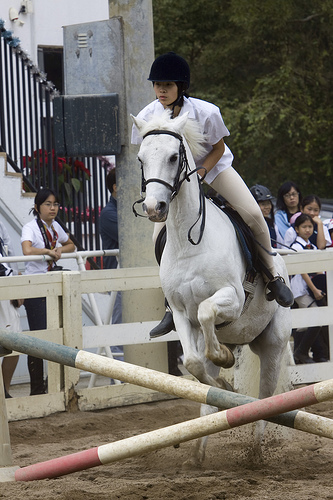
column 64, row 291
column 26, row 135
column 64, row 310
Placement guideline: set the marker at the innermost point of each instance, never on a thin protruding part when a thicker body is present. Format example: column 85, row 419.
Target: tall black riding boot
column 166, row 325
column 301, row 355
column 280, row 292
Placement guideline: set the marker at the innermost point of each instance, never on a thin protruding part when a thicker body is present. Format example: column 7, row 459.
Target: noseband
column 182, row 166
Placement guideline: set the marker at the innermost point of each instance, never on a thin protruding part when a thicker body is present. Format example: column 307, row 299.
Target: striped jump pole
column 178, row 433
column 161, row 382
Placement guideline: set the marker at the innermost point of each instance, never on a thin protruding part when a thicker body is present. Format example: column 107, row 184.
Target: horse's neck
column 184, row 209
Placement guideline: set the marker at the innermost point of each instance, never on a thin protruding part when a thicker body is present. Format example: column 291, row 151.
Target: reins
column 182, row 166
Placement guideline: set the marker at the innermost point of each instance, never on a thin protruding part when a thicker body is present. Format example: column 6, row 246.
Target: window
column 50, row 61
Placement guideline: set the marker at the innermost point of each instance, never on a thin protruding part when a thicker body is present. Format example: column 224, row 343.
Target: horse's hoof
column 225, row 357
column 228, row 355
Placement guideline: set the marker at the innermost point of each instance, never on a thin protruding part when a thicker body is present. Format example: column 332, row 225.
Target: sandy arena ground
column 295, row 469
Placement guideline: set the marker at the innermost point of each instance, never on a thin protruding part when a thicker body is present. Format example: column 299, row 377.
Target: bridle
column 183, row 166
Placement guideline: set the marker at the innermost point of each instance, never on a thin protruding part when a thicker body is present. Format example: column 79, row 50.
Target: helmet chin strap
column 178, row 102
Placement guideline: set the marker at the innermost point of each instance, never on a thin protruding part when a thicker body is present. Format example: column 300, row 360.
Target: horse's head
column 160, row 157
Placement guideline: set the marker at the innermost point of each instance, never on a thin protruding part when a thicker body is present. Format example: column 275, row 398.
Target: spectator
column 300, row 286
column 42, row 236
column 310, row 205
column 264, row 198
column 288, row 202
column 109, row 233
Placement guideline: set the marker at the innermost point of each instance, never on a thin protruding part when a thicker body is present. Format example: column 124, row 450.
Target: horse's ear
column 138, row 122
column 180, row 121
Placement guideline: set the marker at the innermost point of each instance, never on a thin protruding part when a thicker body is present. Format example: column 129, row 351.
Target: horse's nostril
column 161, row 207
column 144, row 207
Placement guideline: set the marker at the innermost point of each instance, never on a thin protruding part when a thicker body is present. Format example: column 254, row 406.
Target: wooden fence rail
column 64, row 291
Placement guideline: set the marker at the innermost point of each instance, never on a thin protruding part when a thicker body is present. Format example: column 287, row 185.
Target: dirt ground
column 299, row 468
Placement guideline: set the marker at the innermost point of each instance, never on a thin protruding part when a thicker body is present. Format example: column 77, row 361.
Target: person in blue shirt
column 109, row 222
column 288, row 203
column 109, row 233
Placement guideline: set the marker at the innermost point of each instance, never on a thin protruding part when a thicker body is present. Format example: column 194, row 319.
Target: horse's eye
column 173, row 158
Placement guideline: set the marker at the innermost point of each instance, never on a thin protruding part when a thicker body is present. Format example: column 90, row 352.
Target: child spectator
column 300, row 285
column 310, row 205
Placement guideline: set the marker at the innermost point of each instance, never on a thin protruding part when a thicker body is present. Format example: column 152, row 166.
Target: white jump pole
column 178, row 433
column 275, row 409
column 162, row 382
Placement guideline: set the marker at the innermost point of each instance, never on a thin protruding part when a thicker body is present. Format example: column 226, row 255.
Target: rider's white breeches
column 231, row 186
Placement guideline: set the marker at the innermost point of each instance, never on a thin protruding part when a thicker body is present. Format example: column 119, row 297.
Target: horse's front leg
column 193, row 345
column 221, row 307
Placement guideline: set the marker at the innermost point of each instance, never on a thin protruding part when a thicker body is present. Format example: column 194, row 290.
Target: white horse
column 203, row 268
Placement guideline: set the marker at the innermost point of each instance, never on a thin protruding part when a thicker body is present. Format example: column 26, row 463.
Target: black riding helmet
column 170, row 67
column 261, row 193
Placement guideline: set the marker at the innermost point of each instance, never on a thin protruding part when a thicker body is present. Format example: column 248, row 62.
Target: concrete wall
column 44, row 25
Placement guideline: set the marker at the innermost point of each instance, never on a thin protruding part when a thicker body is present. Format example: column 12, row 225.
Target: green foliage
column 267, row 65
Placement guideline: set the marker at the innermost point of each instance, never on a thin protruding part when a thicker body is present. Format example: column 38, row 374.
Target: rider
column 170, row 75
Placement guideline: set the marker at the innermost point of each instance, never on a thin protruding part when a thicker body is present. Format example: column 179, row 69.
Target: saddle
column 244, row 234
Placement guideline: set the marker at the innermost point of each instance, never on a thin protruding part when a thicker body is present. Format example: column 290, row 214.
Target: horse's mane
column 191, row 132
